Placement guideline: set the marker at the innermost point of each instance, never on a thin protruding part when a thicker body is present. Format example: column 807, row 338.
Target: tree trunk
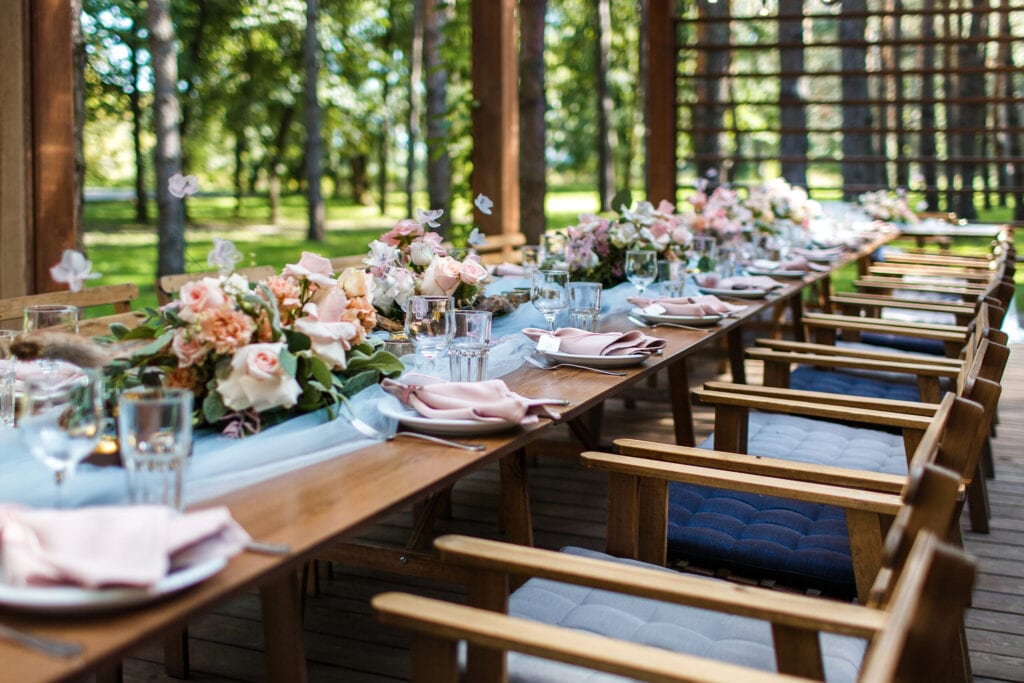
column 641, row 97
column 314, row 142
column 360, row 179
column 78, row 115
column 167, row 152
column 439, row 167
column 192, row 69
column 857, row 175
column 240, row 146
column 972, row 117
column 274, row 167
column 605, row 140
column 710, row 89
column 900, row 124
column 135, row 104
column 532, row 129
column 927, row 145
column 384, row 137
column 792, row 111
column 413, row 124
column 949, row 67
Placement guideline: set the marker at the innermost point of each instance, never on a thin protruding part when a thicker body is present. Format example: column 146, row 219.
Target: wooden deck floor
column 344, row 643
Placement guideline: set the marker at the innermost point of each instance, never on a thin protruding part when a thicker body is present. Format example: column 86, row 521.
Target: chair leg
column 176, row 662
column 977, row 503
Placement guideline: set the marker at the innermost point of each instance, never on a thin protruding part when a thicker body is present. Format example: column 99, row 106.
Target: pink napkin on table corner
column 487, row 401
column 509, row 270
column 704, row 304
column 583, row 343
column 111, row 545
column 740, row 283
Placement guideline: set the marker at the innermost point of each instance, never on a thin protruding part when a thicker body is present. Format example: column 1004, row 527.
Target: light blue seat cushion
column 728, row 638
column 808, row 378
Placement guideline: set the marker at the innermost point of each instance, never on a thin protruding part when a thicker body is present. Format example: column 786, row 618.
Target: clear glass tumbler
column 585, row 305
column 467, row 352
column 155, row 431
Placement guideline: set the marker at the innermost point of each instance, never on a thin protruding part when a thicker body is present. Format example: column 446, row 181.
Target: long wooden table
column 312, row 508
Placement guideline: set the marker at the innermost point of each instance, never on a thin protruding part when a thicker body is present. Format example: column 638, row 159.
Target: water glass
column 155, row 430
column 533, row 258
column 702, row 256
column 550, row 294
column 585, row 305
column 55, row 317
column 467, row 352
column 7, row 372
column 553, row 250
column 61, row 417
column 641, row 268
column 429, row 325
column 671, row 278
column 727, row 262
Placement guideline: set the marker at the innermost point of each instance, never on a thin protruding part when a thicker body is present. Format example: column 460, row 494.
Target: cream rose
column 354, row 282
column 472, row 271
column 421, row 253
column 330, row 341
column 442, row 276
column 258, row 381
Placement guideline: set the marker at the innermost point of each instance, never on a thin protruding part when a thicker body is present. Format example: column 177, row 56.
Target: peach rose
column 257, row 380
column 472, row 271
column 199, row 296
column 442, row 276
column 188, row 349
column 182, row 378
column 353, row 282
column 226, row 329
column 286, row 292
column 362, row 312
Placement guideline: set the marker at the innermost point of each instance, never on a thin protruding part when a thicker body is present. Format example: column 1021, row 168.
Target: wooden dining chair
column 117, row 298
column 906, row 641
column 340, row 263
column 168, row 286
column 502, row 248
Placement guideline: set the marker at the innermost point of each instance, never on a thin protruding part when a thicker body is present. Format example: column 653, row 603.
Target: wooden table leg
column 515, row 499
column 736, row 351
column 796, row 307
column 679, row 394
column 282, row 629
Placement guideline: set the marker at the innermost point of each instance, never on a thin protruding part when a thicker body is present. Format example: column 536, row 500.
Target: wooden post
column 496, row 116
column 53, row 168
column 661, row 100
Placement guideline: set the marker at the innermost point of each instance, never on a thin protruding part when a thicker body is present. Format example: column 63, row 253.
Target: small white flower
column 922, row 205
column 234, row 284
column 484, row 203
column 476, row 238
column 381, row 255
column 224, row 256
column 429, row 218
column 74, row 269
column 182, row 186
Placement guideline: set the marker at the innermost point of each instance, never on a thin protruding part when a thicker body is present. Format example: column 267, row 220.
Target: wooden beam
column 53, row 168
column 661, row 106
column 496, row 114
column 15, row 150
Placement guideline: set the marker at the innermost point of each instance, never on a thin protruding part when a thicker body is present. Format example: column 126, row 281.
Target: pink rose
column 442, row 276
column 472, row 272
column 329, row 341
column 198, row 296
column 314, row 267
column 402, row 230
column 665, row 208
column 327, row 307
column 188, row 349
column 659, row 229
column 257, row 380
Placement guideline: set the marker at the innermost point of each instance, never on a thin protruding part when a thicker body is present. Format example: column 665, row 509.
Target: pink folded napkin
column 814, row 254
column 740, row 282
column 56, row 370
column 488, row 401
column 583, row 343
column 705, row 304
column 799, row 264
column 111, row 546
column 509, row 270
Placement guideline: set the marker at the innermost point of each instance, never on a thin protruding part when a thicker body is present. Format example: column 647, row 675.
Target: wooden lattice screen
column 842, row 98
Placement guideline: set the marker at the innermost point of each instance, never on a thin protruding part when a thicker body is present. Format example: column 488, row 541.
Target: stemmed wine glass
column 550, row 294
column 62, row 418
column 641, row 268
column 430, row 326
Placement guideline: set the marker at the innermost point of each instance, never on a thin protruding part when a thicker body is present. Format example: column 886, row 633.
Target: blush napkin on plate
column 790, row 265
column 705, row 304
column 739, row 283
column 579, row 342
column 487, row 401
column 111, row 545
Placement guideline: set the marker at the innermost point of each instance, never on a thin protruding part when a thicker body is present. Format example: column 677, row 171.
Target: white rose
column 235, row 284
column 257, row 380
column 421, row 253
column 330, row 341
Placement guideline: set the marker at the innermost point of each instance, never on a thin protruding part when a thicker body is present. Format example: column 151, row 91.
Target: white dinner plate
column 693, row 320
column 750, row 293
column 777, row 273
column 410, row 418
column 598, row 361
column 76, row 600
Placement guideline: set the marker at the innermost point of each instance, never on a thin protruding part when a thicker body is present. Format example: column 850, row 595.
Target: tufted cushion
column 728, row 638
column 802, row 544
column 914, row 344
column 911, row 316
column 809, row 378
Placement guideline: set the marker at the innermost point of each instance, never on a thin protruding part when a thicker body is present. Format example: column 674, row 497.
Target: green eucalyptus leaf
column 359, row 381
column 214, row 409
column 289, row 362
column 386, row 363
column 321, row 371
column 622, row 198
column 297, row 342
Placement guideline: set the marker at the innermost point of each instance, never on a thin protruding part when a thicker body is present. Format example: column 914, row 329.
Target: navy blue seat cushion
column 929, row 346
column 807, row 378
column 799, row 544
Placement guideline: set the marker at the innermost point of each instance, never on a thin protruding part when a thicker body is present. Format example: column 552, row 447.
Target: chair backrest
column 923, row 617
column 500, row 248
column 340, row 263
column 120, row 297
column 167, row 286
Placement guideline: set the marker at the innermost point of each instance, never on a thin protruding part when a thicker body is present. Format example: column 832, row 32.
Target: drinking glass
column 62, row 418
column 550, row 294
column 726, row 264
column 702, row 257
column 57, row 317
column 429, row 325
column 155, row 430
column 553, row 248
column 533, row 258
column 585, row 305
column 641, row 268
column 467, row 352
column 7, row 368
column 671, row 278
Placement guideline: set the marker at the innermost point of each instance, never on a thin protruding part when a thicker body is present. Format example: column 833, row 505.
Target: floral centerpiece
column 884, row 205
column 257, row 353
column 776, row 203
column 720, row 214
column 409, row 259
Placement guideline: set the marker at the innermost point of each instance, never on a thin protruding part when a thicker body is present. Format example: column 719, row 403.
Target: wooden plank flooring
column 344, row 643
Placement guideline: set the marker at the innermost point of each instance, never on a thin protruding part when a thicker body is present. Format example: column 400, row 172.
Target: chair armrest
column 881, row 300
column 448, row 622
column 830, row 350
column 858, row 402
column 921, row 369
column 878, row 282
column 884, row 322
column 763, row 466
column 658, row 584
column 886, row 327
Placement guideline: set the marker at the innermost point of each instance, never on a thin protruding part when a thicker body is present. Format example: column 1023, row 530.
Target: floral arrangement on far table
column 884, row 205
column 777, row 201
column 257, row 353
column 720, row 214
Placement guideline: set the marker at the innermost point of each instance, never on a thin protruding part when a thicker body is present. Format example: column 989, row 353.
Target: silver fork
column 537, row 363
column 57, row 648
column 641, row 323
column 374, row 433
